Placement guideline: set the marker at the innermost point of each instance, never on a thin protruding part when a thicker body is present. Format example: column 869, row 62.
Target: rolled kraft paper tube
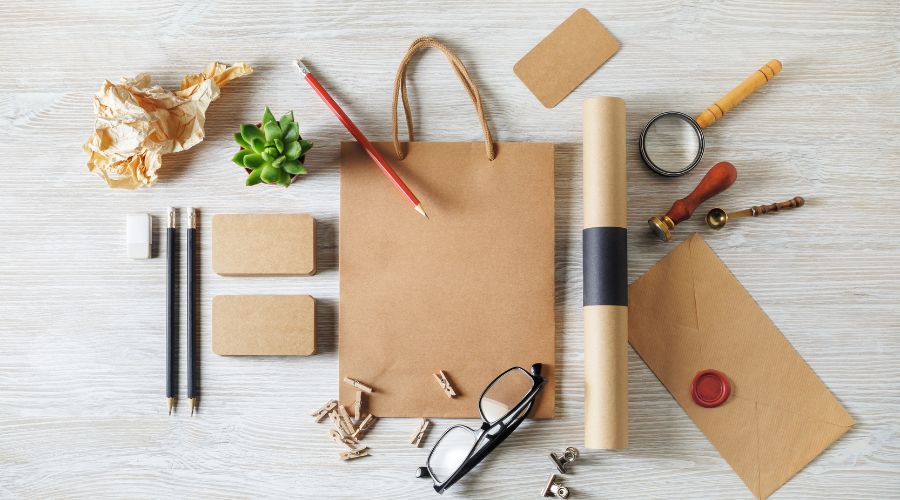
column 605, row 275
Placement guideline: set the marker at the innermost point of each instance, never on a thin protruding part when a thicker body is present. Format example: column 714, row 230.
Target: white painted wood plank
column 81, row 326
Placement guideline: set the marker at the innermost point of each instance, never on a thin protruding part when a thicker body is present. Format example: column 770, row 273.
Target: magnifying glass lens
column 672, row 143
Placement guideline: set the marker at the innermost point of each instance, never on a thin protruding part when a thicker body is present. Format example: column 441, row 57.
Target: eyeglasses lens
column 450, row 452
column 504, row 394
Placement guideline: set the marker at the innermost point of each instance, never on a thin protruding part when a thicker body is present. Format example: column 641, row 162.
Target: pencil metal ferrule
column 173, row 217
column 193, row 218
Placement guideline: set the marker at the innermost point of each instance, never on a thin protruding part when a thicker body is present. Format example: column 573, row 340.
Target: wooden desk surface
column 82, row 412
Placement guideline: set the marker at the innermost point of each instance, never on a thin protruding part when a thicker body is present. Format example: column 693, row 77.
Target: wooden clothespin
column 357, row 406
column 338, row 422
column 350, row 455
column 364, row 426
column 358, row 385
column 444, row 382
column 339, row 438
column 322, row 412
column 420, row 433
column 347, row 424
column 340, row 431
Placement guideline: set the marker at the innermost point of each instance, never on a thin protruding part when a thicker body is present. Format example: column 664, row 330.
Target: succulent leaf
column 305, row 146
column 292, row 150
column 285, row 179
column 238, row 157
column 254, row 160
column 270, row 174
column 253, row 178
column 268, row 117
column 271, row 131
column 279, row 144
column 292, row 133
column 240, row 140
column 250, row 132
column 287, row 119
column 258, row 144
column 277, row 162
column 292, row 166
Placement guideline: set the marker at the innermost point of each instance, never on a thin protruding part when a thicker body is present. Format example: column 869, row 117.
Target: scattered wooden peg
column 364, row 426
column 420, row 433
column 444, row 382
column 358, row 385
column 344, row 436
column 339, row 422
column 339, row 438
column 335, row 419
column 357, row 406
column 350, row 455
column 347, row 426
column 322, row 412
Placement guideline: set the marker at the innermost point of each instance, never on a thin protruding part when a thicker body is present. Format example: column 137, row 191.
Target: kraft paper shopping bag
column 469, row 291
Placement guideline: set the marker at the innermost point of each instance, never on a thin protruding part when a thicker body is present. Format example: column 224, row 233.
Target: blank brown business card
column 566, row 57
column 263, row 325
column 264, row 245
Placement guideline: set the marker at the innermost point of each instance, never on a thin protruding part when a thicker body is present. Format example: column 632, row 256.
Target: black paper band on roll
column 605, row 266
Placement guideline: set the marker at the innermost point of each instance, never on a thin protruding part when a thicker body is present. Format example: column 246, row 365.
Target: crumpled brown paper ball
column 137, row 124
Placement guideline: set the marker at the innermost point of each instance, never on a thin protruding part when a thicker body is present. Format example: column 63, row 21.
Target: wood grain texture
column 82, row 412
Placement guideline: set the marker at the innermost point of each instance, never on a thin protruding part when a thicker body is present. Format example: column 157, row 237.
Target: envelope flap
column 741, row 340
column 671, row 352
column 764, row 444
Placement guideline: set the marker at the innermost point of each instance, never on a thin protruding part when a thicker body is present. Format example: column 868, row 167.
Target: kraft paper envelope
column 689, row 313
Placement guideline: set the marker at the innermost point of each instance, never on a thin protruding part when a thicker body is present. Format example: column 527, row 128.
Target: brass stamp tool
column 717, row 218
column 719, row 178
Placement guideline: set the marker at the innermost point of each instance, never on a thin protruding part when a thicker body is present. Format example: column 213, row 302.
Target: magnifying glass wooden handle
column 719, row 178
column 753, row 82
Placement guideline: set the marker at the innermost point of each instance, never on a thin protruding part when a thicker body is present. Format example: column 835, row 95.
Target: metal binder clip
column 561, row 462
column 555, row 489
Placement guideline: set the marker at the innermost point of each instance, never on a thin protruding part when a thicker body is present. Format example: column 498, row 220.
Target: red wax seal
column 710, row 388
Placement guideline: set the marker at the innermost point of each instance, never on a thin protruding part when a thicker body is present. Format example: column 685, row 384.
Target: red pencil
column 360, row 138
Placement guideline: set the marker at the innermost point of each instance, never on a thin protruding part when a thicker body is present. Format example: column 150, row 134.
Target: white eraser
column 139, row 236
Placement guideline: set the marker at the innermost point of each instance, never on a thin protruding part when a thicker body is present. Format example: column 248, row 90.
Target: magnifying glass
column 672, row 143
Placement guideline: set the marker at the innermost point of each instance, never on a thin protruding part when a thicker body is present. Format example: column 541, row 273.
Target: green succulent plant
column 272, row 150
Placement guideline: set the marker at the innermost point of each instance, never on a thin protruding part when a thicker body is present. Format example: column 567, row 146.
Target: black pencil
column 191, row 380
column 171, row 311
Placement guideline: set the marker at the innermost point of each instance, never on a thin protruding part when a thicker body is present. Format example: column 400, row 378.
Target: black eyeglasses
column 504, row 404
